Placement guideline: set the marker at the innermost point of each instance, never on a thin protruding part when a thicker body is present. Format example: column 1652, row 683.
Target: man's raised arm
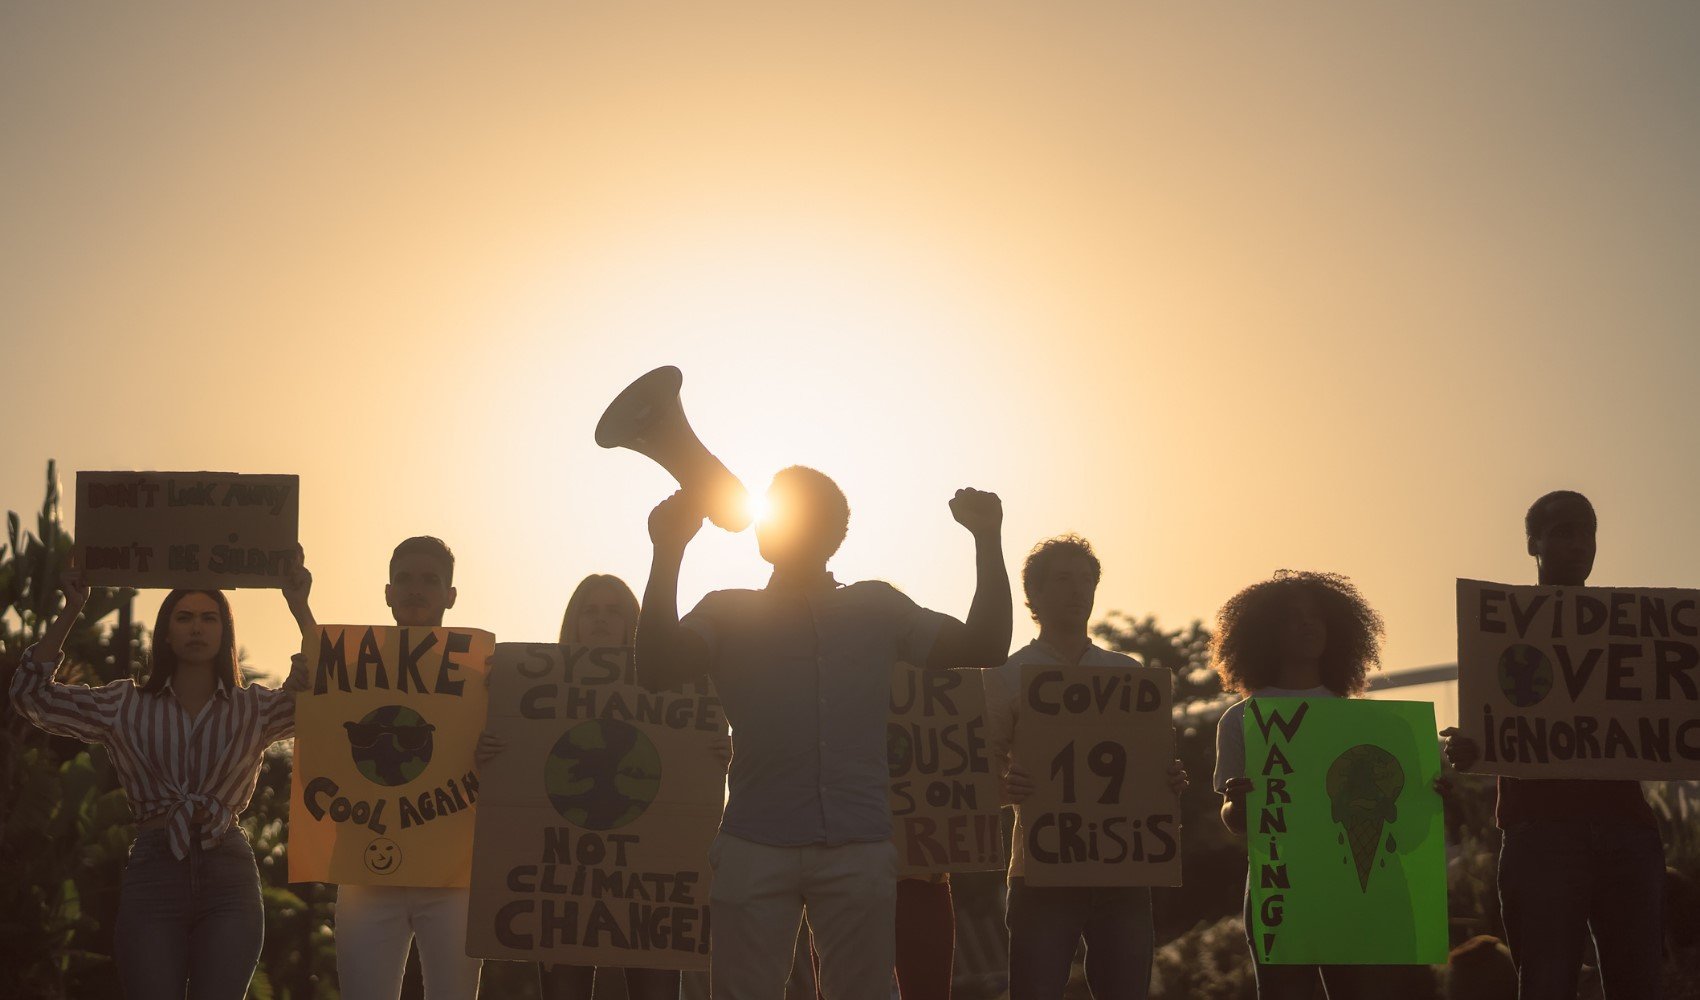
column 669, row 655
column 984, row 640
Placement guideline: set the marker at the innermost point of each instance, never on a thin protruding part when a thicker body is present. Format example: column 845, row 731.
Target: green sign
column 1348, row 860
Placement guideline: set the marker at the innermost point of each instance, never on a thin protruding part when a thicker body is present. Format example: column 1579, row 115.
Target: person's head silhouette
column 806, row 520
column 1560, row 528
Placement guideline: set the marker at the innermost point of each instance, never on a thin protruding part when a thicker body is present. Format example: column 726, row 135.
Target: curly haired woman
column 1296, row 635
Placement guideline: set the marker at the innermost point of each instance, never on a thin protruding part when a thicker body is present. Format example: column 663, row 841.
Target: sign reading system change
column 594, row 822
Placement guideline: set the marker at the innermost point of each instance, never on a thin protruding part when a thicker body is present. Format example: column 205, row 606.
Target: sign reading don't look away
column 1580, row 682
column 595, row 820
column 213, row 530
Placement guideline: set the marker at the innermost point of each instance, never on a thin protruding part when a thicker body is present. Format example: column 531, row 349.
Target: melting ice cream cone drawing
column 1364, row 785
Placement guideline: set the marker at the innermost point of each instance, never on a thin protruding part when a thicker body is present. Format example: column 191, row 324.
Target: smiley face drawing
column 383, row 856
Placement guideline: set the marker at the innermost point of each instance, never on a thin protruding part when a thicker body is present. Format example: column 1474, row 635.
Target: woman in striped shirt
column 187, row 746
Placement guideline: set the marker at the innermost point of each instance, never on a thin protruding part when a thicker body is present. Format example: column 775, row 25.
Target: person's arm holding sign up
column 193, row 706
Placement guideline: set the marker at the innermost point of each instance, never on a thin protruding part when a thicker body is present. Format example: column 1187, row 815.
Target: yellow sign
column 384, row 786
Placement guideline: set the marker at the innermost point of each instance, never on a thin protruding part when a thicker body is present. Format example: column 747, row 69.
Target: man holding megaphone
column 803, row 668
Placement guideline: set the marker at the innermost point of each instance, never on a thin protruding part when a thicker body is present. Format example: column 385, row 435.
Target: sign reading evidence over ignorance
column 1343, row 830
column 384, row 780
column 1098, row 742
column 595, row 821
column 1580, row 682
column 944, row 797
column 212, row 530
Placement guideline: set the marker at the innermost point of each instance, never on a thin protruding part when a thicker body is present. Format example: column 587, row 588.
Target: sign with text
column 1099, row 741
column 207, row 530
column 384, row 781
column 595, row 820
column 1344, row 833
column 1580, row 682
column 944, row 797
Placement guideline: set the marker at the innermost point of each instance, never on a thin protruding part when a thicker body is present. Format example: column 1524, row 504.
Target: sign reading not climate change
column 213, row 530
column 1098, row 742
column 1580, row 682
column 944, row 797
column 594, row 822
column 384, row 787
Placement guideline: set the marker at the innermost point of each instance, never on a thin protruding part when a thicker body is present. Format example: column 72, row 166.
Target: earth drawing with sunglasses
column 391, row 745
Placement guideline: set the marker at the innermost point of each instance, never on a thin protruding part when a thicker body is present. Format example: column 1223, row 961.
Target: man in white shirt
column 1060, row 579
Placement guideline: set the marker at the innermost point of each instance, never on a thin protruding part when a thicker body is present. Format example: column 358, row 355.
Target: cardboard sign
column 594, row 822
column 1347, row 856
column 944, row 797
column 1098, row 742
column 207, row 530
column 1580, row 682
column 384, row 786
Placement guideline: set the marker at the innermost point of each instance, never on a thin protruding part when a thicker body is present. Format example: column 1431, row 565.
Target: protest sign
column 384, row 783
column 594, row 822
column 1348, row 862
column 944, row 797
column 1098, row 742
column 1580, row 682
column 206, row 530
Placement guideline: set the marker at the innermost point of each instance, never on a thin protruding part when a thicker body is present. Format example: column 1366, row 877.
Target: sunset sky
column 1223, row 288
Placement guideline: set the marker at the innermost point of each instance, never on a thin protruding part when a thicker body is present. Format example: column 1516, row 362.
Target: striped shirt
column 197, row 771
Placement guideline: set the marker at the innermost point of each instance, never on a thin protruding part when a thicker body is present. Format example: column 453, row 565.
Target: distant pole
column 123, row 634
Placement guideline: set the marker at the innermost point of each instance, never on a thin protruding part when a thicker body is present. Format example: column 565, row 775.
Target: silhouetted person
column 803, row 668
column 1298, row 635
column 1576, row 855
column 1060, row 581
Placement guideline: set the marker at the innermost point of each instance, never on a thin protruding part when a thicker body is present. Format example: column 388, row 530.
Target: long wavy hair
column 582, row 593
column 1246, row 646
column 164, row 658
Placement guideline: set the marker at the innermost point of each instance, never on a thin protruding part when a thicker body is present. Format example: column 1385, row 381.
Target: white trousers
column 375, row 923
column 757, row 902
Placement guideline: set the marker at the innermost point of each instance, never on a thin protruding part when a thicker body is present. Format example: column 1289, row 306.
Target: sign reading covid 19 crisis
column 1580, row 682
column 595, row 819
column 1098, row 742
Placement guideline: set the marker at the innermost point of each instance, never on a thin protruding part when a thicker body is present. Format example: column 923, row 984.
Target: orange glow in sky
column 1223, row 289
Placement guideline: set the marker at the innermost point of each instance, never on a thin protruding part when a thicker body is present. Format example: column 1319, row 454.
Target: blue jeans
column 575, row 982
column 1559, row 879
column 190, row 926
column 1046, row 922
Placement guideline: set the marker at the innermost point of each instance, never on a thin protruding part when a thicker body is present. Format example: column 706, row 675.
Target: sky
column 1224, row 289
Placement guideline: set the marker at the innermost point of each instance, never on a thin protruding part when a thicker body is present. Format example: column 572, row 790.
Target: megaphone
column 647, row 418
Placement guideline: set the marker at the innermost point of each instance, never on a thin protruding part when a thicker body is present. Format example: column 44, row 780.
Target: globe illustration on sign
column 1525, row 675
column 602, row 774
column 390, row 745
